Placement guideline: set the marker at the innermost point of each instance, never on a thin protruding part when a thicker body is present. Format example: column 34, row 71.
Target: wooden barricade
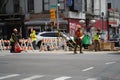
column 104, row 46
column 26, row 44
column 53, row 44
column 1, row 45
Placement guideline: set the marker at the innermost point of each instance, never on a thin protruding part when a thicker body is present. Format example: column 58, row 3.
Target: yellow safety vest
column 96, row 37
column 33, row 37
column 11, row 39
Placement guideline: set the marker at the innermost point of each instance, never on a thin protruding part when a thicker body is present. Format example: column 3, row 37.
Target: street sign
column 53, row 6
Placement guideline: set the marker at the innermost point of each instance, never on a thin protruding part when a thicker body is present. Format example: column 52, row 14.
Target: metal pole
column 57, row 20
column 102, row 16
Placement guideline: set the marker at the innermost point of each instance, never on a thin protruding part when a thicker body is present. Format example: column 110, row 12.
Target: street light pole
column 57, row 14
column 102, row 16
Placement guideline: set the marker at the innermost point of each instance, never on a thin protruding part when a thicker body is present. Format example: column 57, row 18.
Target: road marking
column 110, row 62
column 87, row 69
column 91, row 79
column 62, row 78
column 9, row 76
column 33, row 77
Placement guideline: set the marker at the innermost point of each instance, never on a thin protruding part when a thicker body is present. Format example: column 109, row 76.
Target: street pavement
column 59, row 65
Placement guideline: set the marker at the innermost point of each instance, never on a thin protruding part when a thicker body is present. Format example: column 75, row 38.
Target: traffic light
column 53, row 14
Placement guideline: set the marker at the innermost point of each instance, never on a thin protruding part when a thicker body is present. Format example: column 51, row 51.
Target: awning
column 43, row 22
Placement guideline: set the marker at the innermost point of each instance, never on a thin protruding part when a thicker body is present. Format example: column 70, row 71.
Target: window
column 92, row 6
column 49, row 35
column 31, row 6
column 16, row 6
column 62, row 5
column 46, row 5
column 85, row 5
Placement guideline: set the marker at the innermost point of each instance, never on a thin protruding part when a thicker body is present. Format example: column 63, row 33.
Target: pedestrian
column 78, row 36
column 33, row 38
column 97, row 40
column 15, row 37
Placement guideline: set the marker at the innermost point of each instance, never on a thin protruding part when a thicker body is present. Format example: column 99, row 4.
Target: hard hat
column 78, row 26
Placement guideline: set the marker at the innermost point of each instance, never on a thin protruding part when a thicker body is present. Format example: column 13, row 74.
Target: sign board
column 53, row 6
column 76, row 15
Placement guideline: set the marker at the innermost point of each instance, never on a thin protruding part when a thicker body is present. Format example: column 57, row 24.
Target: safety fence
column 47, row 44
column 4, row 44
column 26, row 44
column 50, row 44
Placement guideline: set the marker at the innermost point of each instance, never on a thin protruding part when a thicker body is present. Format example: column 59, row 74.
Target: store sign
column 76, row 15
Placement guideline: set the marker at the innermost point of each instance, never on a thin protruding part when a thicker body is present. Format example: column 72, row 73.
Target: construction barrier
column 4, row 44
column 26, row 44
column 50, row 44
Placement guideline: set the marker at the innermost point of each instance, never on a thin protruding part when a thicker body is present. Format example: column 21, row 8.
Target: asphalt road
column 59, row 66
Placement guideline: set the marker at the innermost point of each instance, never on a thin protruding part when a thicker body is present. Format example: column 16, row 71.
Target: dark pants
column 78, row 43
column 96, row 45
column 12, row 44
column 34, row 45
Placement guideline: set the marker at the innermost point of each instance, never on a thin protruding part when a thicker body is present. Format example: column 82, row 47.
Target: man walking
column 78, row 36
column 15, row 36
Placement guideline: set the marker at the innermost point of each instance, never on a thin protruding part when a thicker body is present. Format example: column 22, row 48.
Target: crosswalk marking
column 62, row 78
column 87, row 69
column 9, row 76
column 91, row 79
column 33, row 77
column 110, row 62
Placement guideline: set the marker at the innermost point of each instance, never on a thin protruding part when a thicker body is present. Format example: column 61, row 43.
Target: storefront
column 10, row 21
column 46, row 25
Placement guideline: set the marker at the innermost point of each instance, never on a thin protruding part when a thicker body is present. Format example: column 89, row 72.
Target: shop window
column 16, row 6
column 31, row 6
column 46, row 5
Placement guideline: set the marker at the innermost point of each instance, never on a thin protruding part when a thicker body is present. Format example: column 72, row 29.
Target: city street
column 59, row 66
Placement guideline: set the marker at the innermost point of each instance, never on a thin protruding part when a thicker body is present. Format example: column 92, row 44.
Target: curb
column 62, row 51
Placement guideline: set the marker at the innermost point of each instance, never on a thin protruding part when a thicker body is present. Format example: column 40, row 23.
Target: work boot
column 75, row 52
column 81, row 52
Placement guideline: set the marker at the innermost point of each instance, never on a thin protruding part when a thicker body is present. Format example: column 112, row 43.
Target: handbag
column 17, row 47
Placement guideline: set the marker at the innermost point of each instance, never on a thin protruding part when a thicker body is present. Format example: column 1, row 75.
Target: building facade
column 70, row 12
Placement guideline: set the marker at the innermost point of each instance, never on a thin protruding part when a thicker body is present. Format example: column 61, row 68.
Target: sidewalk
column 62, row 51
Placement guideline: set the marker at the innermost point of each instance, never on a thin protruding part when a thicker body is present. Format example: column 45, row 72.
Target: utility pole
column 102, row 17
column 57, row 14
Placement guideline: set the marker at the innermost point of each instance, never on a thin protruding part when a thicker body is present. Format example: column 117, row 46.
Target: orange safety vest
column 78, row 33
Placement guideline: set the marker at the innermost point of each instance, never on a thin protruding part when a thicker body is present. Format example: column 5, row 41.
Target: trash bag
column 87, row 41
column 17, row 48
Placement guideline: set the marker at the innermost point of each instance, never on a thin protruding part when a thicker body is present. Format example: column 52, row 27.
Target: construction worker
column 33, row 38
column 15, row 36
column 97, row 40
column 78, row 36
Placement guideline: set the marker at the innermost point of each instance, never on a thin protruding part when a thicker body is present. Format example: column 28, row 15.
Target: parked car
column 51, row 34
column 116, row 40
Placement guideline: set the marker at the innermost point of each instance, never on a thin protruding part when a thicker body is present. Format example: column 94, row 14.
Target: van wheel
column 119, row 43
